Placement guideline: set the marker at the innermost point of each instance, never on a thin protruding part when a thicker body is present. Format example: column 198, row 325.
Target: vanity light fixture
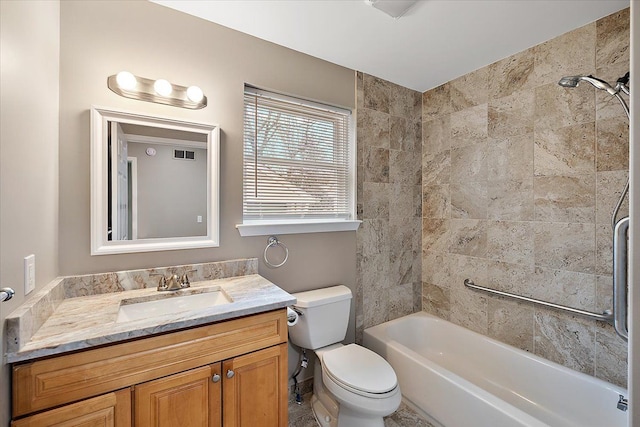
column 160, row 91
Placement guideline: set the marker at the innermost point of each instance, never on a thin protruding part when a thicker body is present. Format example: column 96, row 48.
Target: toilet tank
column 324, row 319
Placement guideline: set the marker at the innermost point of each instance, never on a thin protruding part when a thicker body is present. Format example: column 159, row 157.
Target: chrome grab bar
column 620, row 278
column 606, row 316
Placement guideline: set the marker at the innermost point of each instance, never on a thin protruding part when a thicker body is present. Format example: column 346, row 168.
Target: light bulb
column 162, row 87
column 126, row 80
column 194, row 93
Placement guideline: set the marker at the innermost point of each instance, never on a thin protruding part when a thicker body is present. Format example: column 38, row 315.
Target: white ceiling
column 434, row 42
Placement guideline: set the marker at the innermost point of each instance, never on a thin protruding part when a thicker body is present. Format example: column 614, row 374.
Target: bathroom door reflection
column 157, row 185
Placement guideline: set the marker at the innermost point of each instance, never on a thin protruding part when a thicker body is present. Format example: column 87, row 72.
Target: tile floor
column 302, row 416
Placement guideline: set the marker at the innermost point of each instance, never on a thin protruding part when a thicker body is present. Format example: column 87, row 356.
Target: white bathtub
column 463, row 379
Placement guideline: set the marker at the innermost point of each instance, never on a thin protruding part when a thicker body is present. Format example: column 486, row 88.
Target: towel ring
column 272, row 242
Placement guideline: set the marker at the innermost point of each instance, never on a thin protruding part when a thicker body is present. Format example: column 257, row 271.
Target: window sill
column 266, row 229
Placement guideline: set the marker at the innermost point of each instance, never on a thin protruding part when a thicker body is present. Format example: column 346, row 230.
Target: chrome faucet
column 173, row 282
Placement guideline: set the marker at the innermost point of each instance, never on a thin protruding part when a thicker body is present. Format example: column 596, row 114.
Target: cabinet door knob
column 215, row 378
column 230, row 373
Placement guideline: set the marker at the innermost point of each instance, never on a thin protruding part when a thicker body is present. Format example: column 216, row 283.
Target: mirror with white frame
column 154, row 183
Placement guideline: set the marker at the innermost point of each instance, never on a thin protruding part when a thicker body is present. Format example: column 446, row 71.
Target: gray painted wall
column 29, row 52
column 171, row 192
column 101, row 38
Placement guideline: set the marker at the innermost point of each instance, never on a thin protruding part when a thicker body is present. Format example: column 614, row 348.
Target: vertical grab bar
column 620, row 283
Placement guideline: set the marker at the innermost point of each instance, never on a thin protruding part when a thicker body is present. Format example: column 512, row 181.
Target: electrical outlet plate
column 29, row 273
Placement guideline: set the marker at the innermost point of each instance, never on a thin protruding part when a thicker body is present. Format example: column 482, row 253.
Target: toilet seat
column 359, row 370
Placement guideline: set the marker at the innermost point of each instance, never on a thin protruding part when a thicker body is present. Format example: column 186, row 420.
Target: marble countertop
column 87, row 321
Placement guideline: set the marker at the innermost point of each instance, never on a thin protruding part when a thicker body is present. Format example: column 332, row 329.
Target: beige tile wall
column 519, row 179
column 389, row 202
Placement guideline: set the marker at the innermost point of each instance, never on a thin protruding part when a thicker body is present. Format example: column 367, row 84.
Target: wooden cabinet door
column 255, row 389
column 108, row 410
column 188, row 399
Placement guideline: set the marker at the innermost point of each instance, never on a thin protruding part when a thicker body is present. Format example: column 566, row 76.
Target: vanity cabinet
column 189, row 399
column 231, row 373
column 109, row 410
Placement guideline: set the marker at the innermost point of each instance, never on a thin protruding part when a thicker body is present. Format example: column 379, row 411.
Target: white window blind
column 297, row 160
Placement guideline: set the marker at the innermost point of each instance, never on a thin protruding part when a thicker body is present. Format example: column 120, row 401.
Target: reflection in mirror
column 155, row 181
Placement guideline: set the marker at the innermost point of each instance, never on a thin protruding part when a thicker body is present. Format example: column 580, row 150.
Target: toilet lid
column 360, row 368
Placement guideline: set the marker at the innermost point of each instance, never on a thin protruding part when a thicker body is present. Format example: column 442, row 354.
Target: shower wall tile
column 470, row 309
column 607, row 106
column 469, row 126
column 404, row 102
column 436, row 270
column 469, row 164
column 469, row 200
column 565, row 198
column 376, row 304
column 401, row 133
column 565, row 246
column 468, row 237
column 417, row 206
column 565, row 151
column 510, row 200
column 511, row 115
column 373, row 127
column 604, row 249
column 436, row 300
column 401, row 253
column 376, row 163
column 435, row 235
column 401, row 301
column 375, row 236
column 519, row 179
column 510, row 158
column 470, row 90
column 435, row 201
column 401, row 201
column 404, row 167
column 513, row 278
column 565, row 340
column 562, row 56
column 558, row 107
column 436, row 102
column 436, row 135
column 436, row 168
column 377, row 93
column 611, row 356
column 564, row 287
column 609, row 187
column 511, row 322
column 468, row 267
column 389, row 242
column 510, row 242
column 604, row 293
column 375, row 202
column 512, row 74
column 612, row 42
column 612, row 136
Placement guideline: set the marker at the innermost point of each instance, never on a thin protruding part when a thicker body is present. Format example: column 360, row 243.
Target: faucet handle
column 162, row 285
column 184, row 280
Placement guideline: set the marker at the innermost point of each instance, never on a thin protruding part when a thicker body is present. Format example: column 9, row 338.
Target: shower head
column 573, row 81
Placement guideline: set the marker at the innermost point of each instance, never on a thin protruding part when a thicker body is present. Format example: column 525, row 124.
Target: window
column 299, row 166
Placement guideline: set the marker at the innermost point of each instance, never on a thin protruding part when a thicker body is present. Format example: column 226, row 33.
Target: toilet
column 352, row 385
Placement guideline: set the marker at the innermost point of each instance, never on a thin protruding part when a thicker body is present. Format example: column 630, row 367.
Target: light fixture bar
column 143, row 89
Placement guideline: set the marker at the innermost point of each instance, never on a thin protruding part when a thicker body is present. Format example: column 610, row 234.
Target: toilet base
column 322, row 414
column 345, row 418
column 330, row 413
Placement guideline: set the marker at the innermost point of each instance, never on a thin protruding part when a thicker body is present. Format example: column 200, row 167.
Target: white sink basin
column 170, row 303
